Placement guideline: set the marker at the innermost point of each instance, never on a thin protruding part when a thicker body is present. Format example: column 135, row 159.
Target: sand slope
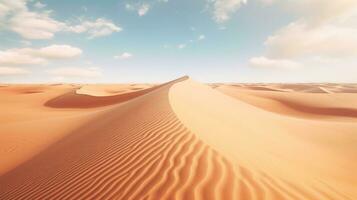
column 333, row 106
column 184, row 140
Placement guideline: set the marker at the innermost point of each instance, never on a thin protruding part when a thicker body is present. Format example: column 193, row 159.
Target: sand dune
column 336, row 106
column 277, row 145
column 179, row 140
column 110, row 90
column 73, row 99
column 303, row 88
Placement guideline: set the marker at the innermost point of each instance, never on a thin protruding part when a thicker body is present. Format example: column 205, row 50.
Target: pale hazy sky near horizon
column 160, row 40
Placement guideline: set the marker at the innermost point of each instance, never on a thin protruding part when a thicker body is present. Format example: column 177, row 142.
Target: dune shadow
column 331, row 111
column 74, row 100
column 31, row 92
column 263, row 89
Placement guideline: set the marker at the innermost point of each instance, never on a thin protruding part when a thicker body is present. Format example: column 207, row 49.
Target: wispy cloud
column 39, row 5
column 28, row 56
column 264, row 62
column 181, row 46
column 190, row 42
column 76, row 72
column 10, row 71
column 124, row 56
column 223, row 9
column 98, row 28
column 17, row 17
column 201, row 37
column 141, row 8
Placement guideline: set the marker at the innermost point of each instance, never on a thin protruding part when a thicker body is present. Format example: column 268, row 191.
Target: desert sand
column 178, row 140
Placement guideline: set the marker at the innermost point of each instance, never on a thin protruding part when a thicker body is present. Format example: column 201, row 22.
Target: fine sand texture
column 179, row 140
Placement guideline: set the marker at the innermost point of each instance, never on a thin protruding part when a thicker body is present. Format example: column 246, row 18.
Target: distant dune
column 178, row 140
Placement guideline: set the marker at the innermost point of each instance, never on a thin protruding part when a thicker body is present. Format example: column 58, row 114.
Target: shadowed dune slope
column 303, row 105
column 27, row 127
column 301, row 88
column 111, row 89
column 176, row 142
column 263, row 88
column 74, row 100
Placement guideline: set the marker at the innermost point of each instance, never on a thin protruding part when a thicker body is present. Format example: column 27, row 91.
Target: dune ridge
column 146, row 147
column 153, row 157
column 73, row 99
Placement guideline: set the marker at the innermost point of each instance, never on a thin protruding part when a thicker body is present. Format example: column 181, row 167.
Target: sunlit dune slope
column 308, row 153
column 180, row 140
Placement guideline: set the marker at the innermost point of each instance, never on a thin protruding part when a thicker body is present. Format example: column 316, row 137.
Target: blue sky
column 159, row 40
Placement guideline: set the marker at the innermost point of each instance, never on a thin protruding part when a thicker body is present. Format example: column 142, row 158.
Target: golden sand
column 179, row 140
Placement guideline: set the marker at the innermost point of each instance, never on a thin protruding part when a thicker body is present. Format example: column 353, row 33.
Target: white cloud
column 324, row 29
column 99, row 27
column 38, row 56
column 298, row 39
column 129, row 6
column 19, row 57
column 25, row 42
column 268, row 2
column 315, row 12
column 264, row 62
column 57, row 52
column 39, row 5
column 223, row 9
column 201, row 37
column 6, row 7
column 17, row 17
column 58, row 79
column 3, row 10
column 6, row 71
column 181, row 46
column 124, row 56
column 31, row 25
column 76, row 72
column 141, row 9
